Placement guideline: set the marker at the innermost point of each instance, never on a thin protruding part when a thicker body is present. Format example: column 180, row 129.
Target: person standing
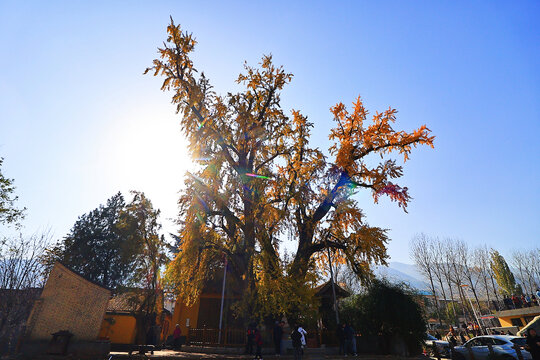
column 250, row 336
column 296, row 338
column 451, row 338
column 516, row 302
column 507, row 303
column 346, row 337
column 533, row 343
column 462, row 337
column 304, row 334
column 258, row 343
column 350, row 335
column 278, row 335
column 176, row 337
column 341, row 339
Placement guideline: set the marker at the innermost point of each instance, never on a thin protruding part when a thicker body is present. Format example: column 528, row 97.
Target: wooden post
column 203, row 335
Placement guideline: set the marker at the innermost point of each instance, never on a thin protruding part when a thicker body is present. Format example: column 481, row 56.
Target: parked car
column 442, row 346
column 503, row 348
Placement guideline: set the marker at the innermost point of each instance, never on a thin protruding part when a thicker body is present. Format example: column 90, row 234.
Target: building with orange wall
column 119, row 325
column 517, row 317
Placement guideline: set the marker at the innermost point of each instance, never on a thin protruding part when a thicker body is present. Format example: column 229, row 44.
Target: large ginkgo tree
column 259, row 182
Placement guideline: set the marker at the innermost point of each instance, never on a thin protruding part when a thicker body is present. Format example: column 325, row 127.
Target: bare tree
column 481, row 261
column 531, row 269
column 536, row 266
column 438, row 267
column 457, row 276
column 444, row 255
column 518, row 262
column 21, row 280
column 465, row 256
column 346, row 278
column 424, row 259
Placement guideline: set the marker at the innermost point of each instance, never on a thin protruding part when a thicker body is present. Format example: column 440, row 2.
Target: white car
column 443, row 347
column 503, row 348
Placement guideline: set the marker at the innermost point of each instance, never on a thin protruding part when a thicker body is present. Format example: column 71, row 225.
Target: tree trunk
column 456, row 322
column 435, row 297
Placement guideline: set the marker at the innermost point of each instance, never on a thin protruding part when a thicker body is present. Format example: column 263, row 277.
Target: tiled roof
column 127, row 301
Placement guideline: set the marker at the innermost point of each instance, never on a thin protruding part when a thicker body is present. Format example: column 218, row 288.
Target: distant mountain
column 400, row 272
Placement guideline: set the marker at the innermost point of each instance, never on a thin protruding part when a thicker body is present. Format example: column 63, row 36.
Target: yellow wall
column 182, row 313
column 123, row 330
column 505, row 321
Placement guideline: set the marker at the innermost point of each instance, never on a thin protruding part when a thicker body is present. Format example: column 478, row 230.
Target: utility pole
column 480, row 326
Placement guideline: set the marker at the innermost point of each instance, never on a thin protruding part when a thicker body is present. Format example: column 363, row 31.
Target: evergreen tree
column 98, row 248
column 390, row 310
column 9, row 213
column 504, row 277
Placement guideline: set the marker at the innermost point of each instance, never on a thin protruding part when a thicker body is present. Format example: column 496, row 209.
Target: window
column 519, row 341
column 516, row 322
column 475, row 342
column 498, row 342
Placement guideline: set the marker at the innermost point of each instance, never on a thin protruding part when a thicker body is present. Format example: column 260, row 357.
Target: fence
column 235, row 337
column 210, row 337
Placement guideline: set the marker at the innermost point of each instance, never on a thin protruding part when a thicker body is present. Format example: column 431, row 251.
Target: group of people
column 298, row 337
column 347, row 339
column 521, row 301
column 464, row 333
column 453, row 336
column 345, row 334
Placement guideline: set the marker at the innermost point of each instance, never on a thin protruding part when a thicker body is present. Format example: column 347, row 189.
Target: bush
column 390, row 310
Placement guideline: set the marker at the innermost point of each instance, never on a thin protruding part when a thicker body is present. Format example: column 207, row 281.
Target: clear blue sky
column 79, row 121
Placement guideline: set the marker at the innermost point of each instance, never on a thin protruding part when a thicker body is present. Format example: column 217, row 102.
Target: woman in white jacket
column 303, row 333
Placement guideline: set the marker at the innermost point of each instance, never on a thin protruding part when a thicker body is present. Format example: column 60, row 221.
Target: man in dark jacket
column 341, row 339
column 296, row 338
column 350, row 339
column 258, row 343
column 278, row 335
column 250, row 334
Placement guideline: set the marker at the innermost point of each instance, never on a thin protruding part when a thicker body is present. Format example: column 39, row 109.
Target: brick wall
column 68, row 302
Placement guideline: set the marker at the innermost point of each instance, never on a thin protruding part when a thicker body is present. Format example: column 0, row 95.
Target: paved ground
column 169, row 354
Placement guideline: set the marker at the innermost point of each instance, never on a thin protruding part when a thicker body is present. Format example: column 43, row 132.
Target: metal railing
column 209, row 337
